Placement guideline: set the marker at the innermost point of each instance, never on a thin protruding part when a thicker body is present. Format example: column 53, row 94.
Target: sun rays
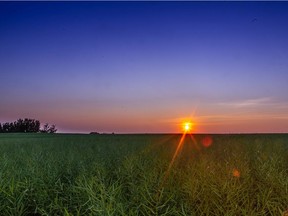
column 187, row 138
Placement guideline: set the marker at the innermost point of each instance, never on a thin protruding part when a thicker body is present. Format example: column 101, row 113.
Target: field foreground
column 62, row 174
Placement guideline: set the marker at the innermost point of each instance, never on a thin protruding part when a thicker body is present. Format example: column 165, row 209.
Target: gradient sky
column 130, row 67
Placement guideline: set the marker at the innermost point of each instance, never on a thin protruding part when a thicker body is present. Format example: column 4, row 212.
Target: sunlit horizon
column 145, row 67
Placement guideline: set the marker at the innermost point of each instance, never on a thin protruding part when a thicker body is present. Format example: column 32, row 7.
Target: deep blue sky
column 145, row 66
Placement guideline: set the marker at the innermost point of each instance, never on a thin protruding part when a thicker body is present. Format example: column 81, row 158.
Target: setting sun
column 187, row 126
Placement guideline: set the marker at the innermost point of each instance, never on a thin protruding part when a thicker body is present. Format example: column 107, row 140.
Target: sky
column 145, row 67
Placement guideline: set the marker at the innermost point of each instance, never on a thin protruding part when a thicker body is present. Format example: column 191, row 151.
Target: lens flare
column 179, row 146
column 207, row 141
column 187, row 127
column 236, row 173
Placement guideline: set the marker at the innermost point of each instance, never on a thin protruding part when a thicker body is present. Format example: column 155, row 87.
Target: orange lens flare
column 177, row 150
column 194, row 142
column 207, row 141
column 187, row 127
column 174, row 156
column 236, row 173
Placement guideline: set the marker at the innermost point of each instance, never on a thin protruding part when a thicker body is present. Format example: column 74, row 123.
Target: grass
column 44, row 174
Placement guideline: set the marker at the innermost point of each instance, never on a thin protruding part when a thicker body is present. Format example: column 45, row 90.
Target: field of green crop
column 60, row 174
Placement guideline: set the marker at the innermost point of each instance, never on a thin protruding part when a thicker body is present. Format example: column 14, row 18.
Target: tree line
column 26, row 126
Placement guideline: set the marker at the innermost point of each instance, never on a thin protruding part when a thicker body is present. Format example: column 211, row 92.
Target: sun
column 187, row 126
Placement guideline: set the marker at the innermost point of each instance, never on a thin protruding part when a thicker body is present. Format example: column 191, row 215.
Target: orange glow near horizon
column 187, row 126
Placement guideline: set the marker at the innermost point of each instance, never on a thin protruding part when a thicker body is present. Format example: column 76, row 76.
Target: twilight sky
column 130, row 67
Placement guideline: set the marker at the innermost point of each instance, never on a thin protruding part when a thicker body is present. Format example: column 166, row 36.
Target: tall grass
column 43, row 174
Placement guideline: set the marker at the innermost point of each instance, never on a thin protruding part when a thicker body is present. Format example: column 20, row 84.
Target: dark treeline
column 26, row 126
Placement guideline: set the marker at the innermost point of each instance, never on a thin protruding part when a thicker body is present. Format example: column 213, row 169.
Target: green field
column 60, row 174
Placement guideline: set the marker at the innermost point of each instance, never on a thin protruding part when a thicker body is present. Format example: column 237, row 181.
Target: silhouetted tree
column 48, row 129
column 12, row 127
column 0, row 128
column 6, row 127
column 26, row 125
column 45, row 128
column 19, row 125
column 31, row 125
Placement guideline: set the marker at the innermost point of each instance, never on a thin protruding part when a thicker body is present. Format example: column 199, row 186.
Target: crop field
column 65, row 174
